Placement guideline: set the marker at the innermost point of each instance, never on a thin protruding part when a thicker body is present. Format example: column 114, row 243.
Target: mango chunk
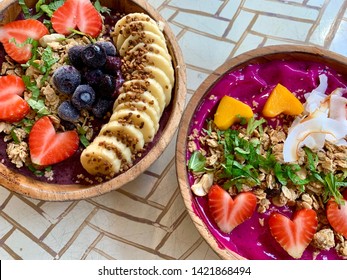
column 281, row 100
column 230, row 111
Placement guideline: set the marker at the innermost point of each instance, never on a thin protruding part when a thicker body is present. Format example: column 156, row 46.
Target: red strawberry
column 294, row 235
column 228, row 212
column 337, row 215
column 13, row 108
column 77, row 13
column 48, row 147
column 15, row 33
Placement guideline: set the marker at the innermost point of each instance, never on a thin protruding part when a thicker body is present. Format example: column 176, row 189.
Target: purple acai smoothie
column 252, row 85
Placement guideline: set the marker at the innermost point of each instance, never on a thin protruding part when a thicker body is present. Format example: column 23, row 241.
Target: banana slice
column 143, row 107
column 151, row 86
column 155, row 48
column 120, row 150
column 156, row 60
column 141, row 119
column 145, row 96
column 96, row 160
column 146, row 37
column 130, row 18
column 127, row 133
column 135, row 27
column 161, row 78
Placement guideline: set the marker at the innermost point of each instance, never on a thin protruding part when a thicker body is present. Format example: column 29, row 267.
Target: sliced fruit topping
column 14, row 37
column 11, row 84
column 337, row 215
column 49, row 147
column 294, row 235
column 13, row 107
column 230, row 111
column 227, row 212
column 77, row 13
column 281, row 100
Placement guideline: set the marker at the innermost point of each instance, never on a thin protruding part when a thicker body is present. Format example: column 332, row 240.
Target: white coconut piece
column 337, row 108
column 325, row 120
column 331, row 129
column 316, row 96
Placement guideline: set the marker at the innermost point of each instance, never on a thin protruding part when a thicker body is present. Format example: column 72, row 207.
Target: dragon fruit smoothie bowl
column 248, row 169
column 98, row 95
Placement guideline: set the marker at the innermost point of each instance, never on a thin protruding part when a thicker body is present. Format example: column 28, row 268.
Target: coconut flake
column 326, row 120
column 316, row 96
column 337, row 110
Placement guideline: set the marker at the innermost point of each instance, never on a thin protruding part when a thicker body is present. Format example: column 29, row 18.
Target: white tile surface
column 147, row 218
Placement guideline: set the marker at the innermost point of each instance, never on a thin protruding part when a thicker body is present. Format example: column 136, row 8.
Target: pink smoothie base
column 252, row 84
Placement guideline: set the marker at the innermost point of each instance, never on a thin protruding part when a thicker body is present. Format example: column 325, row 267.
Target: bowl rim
column 55, row 192
column 263, row 54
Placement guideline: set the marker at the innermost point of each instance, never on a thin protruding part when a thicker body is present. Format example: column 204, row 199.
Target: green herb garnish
column 24, row 8
column 197, row 162
column 101, row 9
column 83, row 139
column 254, row 124
column 37, row 104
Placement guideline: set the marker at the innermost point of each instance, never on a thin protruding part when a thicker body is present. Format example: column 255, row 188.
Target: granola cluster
column 269, row 191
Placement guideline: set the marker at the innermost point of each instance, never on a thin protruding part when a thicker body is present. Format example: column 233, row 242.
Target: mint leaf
column 24, row 8
column 101, row 9
column 34, row 102
column 48, row 61
column 38, row 106
column 332, row 189
column 254, row 124
column 197, row 162
column 83, row 139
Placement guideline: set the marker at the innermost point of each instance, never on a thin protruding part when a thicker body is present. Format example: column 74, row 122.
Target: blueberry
column 68, row 112
column 75, row 58
column 112, row 64
column 66, row 79
column 94, row 56
column 107, row 86
column 101, row 107
column 93, row 77
column 83, row 97
column 110, row 49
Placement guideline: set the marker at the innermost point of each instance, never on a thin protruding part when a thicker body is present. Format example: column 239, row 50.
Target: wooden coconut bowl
column 14, row 181
column 261, row 55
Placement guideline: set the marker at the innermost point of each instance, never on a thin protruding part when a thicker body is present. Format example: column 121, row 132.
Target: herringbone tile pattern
column 146, row 219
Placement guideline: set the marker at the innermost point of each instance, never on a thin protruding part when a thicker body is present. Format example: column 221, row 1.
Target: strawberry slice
column 13, row 107
column 294, row 235
column 337, row 215
column 77, row 13
column 15, row 33
column 11, row 84
column 227, row 212
column 48, row 147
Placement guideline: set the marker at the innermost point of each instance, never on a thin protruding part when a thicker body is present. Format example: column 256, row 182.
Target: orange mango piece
column 281, row 100
column 229, row 111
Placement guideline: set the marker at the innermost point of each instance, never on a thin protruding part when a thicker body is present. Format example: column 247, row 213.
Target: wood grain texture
column 9, row 10
column 260, row 55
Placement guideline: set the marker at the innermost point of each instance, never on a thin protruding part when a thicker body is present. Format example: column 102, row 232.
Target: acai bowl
column 259, row 175
column 100, row 87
